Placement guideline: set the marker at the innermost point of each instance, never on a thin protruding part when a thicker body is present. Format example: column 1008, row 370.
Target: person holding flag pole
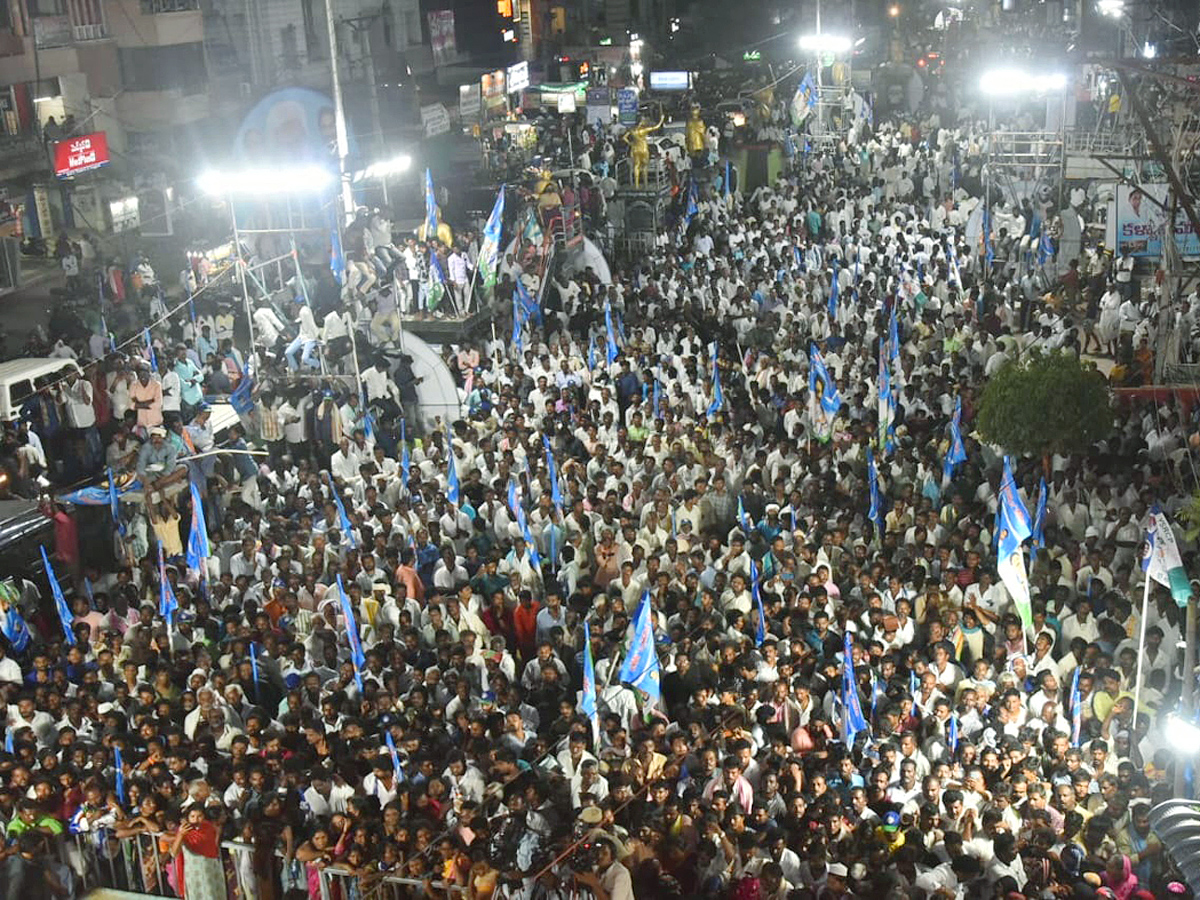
column 587, row 697
column 489, row 250
column 641, row 667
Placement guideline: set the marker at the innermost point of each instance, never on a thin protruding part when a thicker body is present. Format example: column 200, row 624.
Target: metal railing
column 142, row 864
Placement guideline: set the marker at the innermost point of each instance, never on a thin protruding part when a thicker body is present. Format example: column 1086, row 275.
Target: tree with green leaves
column 1045, row 403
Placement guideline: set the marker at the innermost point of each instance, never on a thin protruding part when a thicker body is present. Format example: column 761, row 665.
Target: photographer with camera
column 609, row 880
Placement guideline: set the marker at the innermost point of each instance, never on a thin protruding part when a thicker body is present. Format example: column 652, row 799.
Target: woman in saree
column 196, row 852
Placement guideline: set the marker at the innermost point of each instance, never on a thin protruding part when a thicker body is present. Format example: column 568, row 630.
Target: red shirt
column 66, row 538
column 525, row 626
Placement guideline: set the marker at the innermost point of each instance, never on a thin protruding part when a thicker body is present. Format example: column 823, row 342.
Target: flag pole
column 1137, row 684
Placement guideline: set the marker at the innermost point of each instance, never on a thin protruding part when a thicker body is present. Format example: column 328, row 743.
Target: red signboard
column 80, row 154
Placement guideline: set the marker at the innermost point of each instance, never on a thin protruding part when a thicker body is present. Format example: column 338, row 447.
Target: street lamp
column 1182, row 735
column 1013, row 82
column 826, row 43
column 1114, row 9
column 264, row 182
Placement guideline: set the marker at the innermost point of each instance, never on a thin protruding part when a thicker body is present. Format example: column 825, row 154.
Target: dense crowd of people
column 355, row 642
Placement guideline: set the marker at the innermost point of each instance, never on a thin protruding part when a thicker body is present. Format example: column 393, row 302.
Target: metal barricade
column 133, row 863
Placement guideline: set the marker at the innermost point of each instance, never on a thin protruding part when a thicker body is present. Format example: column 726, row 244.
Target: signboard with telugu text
column 517, row 76
column 627, row 106
column 436, row 119
column 80, row 154
column 468, row 102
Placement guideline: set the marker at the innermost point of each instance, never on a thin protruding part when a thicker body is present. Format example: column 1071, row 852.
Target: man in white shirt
column 305, row 342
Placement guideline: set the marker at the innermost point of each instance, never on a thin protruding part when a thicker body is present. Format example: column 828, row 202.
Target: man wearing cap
column 156, row 464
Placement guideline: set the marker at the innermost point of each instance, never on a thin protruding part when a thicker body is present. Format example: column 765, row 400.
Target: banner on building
column 517, row 77
column 627, row 106
column 441, row 36
column 468, row 102
column 435, row 119
column 1138, row 222
column 80, row 154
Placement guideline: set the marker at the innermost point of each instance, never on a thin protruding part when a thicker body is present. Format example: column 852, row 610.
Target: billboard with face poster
column 1137, row 219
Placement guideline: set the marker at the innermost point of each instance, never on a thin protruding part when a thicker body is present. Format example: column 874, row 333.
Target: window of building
column 175, row 66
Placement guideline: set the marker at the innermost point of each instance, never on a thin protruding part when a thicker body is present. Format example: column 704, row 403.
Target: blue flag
column 357, row 658
column 760, row 632
column 254, row 667
column 60, row 602
column 1039, row 516
column 591, row 360
column 1045, row 248
column 405, row 462
column 823, row 394
column 988, row 253
column 241, row 399
column 833, row 294
column 150, row 354
column 435, row 289
column 391, row 746
column 556, row 496
column 337, row 259
column 956, row 452
column 343, row 519
column 530, row 311
column 587, row 699
column 119, row 765
column 657, row 399
column 692, row 206
column 610, row 346
column 1076, row 709
column 894, row 336
column 952, row 733
column 431, row 208
column 744, row 521
column 875, row 511
column 853, row 720
column 167, row 604
column 114, row 503
column 727, row 184
column 452, row 486
column 641, row 668
column 15, row 630
column 197, row 547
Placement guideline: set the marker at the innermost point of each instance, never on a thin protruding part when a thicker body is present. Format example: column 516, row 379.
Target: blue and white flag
column 150, row 354
column 875, row 510
column 956, row 453
column 657, row 399
column 337, row 258
column 13, row 625
column 693, row 206
column 343, row 520
column 556, row 496
column 823, row 395
column 760, row 631
column 518, row 324
column 833, row 293
column 254, row 667
column 452, row 485
column 198, row 550
column 744, row 521
column 431, row 208
column 610, row 346
column 587, row 698
column 489, row 249
column 641, row 667
column 119, row 765
column 952, row 733
column 394, row 754
column 591, row 358
column 60, row 602
column 853, row 720
column 530, row 310
column 728, row 188
column 114, row 503
column 1013, row 528
column 167, row 604
column 405, row 461
column 1076, row 709
column 887, row 404
column 357, row 658
column 1161, row 560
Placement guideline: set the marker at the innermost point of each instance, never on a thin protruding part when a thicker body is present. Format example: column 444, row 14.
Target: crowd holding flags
column 641, row 668
column 824, row 400
column 853, row 720
column 1012, row 529
column 489, row 248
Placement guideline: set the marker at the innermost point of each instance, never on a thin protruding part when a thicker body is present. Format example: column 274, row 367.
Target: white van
column 20, row 379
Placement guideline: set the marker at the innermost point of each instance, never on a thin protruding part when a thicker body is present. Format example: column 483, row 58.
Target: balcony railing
column 89, row 32
column 154, row 7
